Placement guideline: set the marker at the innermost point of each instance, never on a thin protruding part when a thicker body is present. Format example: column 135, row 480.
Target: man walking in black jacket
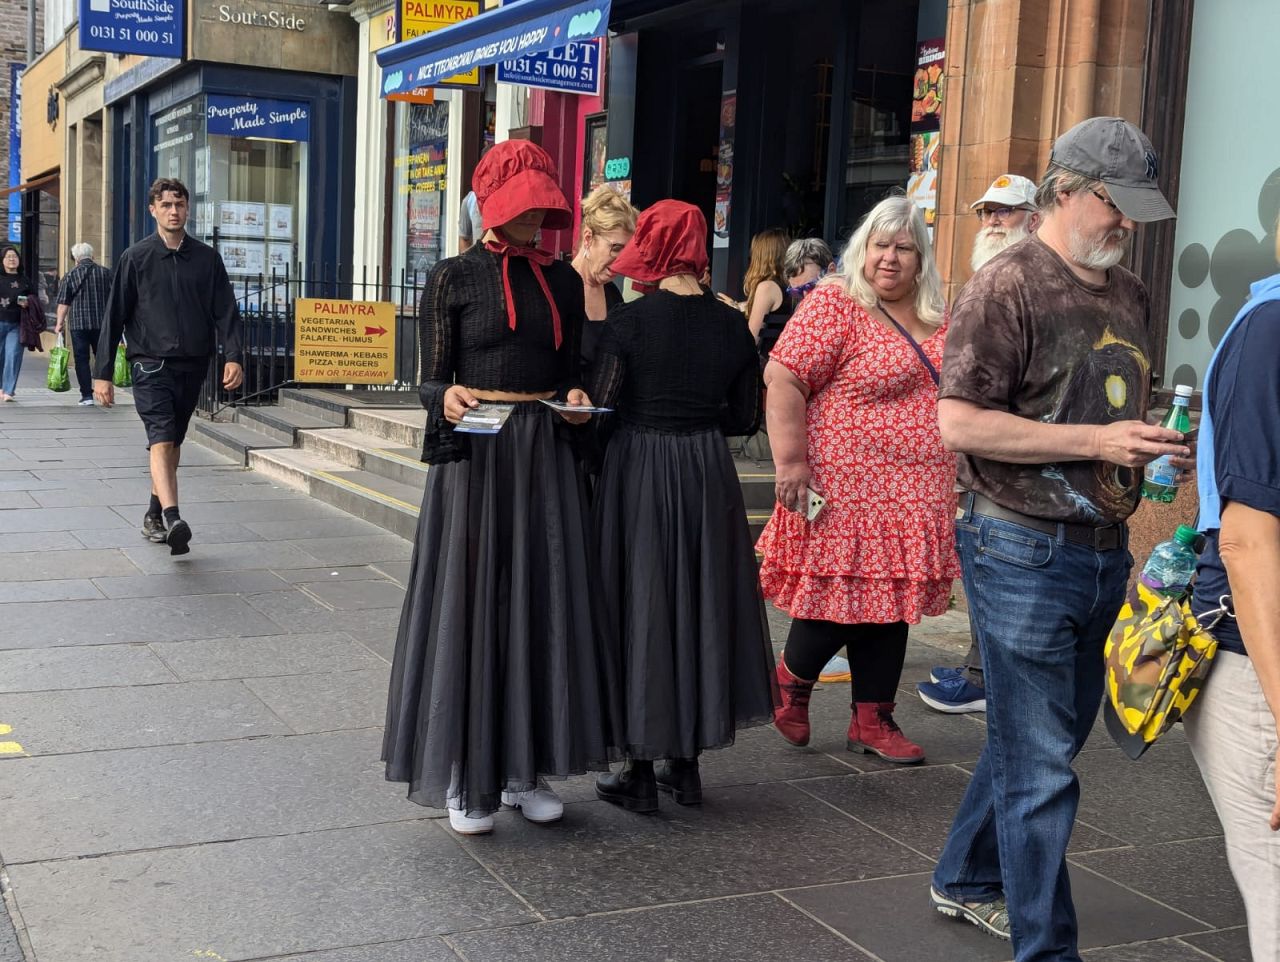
column 171, row 298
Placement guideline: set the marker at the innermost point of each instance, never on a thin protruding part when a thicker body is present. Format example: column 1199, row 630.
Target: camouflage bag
column 1157, row 658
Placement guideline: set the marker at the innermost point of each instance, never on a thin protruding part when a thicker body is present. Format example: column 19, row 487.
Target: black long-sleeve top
column 678, row 363
column 464, row 337
column 169, row 304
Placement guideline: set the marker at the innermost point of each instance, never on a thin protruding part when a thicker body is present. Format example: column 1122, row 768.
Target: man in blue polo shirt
column 1233, row 725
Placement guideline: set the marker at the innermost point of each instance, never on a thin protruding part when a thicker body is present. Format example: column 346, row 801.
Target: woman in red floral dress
column 853, row 418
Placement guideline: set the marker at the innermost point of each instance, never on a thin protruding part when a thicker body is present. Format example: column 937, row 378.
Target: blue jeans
column 10, row 357
column 1042, row 608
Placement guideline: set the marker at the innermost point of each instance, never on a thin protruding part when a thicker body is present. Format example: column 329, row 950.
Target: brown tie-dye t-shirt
column 1030, row 337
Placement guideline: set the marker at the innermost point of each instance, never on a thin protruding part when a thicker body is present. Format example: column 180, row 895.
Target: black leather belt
column 1105, row 538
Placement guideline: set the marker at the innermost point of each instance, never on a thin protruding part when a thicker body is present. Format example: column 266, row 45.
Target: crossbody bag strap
column 924, row 358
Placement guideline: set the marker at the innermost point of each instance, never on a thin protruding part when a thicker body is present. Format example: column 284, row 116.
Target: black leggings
column 876, row 654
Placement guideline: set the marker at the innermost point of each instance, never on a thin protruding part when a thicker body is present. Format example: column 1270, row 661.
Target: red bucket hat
column 516, row 176
column 670, row 239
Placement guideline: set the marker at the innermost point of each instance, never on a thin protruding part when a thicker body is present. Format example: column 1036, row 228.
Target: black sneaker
column 179, row 537
column 153, row 529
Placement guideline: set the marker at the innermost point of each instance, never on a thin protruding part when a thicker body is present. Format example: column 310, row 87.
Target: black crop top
column 464, row 337
column 678, row 363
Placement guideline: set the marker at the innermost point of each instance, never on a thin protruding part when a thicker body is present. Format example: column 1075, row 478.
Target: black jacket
column 169, row 304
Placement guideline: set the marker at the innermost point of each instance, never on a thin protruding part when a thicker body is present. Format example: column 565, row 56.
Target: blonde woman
column 852, row 410
column 608, row 221
column 765, row 286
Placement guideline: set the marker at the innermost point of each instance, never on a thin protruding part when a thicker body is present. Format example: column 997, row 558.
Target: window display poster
column 922, row 185
column 279, row 258
column 280, row 221
column 724, row 168
column 928, row 86
column 597, row 151
column 426, row 182
column 244, row 257
column 242, row 219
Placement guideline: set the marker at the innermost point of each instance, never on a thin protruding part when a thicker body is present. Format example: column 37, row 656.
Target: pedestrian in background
column 1007, row 212
column 1232, row 727
column 677, row 573
column 608, row 221
column 499, row 676
column 82, row 303
column 807, row 261
column 764, row 282
column 1045, row 388
column 16, row 297
column 853, row 420
column 172, row 301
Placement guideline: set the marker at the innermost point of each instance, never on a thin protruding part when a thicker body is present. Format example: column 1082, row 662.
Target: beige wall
column 86, row 171
column 42, row 144
column 1019, row 73
column 270, row 33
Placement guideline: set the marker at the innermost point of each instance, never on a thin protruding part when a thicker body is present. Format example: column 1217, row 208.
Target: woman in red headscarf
column 677, row 570
column 498, row 678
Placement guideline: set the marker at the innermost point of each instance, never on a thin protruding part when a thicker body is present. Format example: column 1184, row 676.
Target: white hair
column 80, row 251
column 891, row 215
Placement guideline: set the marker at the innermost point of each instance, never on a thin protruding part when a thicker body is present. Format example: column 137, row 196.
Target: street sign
column 344, row 342
column 156, row 28
column 426, row 16
column 573, row 68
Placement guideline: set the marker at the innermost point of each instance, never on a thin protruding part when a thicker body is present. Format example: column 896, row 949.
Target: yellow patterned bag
column 1158, row 656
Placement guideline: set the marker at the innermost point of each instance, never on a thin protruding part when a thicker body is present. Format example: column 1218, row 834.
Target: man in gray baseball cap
column 1046, row 380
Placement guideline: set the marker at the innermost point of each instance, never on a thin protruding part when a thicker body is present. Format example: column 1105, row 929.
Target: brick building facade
column 13, row 49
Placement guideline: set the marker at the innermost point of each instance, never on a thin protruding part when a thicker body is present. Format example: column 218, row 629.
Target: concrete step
column 404, row 427
column 365, row 495
column 280, row 423
column 327, row 405
column 231, row 439
column 366, row 452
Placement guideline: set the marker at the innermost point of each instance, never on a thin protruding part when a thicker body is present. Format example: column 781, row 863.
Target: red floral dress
column 883, row 549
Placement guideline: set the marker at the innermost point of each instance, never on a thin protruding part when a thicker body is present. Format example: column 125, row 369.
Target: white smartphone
column 814, row 504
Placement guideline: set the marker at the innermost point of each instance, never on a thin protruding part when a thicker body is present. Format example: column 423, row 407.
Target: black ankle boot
column 680, row 777
column 633, row 787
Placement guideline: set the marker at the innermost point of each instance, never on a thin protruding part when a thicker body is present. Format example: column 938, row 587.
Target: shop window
column 1229, row 199
column 420, row 195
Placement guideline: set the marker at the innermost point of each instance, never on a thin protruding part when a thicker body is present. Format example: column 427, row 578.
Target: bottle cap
column 1184, row 390
column 1186, row 535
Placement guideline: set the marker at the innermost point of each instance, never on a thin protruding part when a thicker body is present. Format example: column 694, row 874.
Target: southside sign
column 154, row 28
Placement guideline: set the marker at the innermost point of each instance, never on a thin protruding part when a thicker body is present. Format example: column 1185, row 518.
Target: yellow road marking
column 376, row 495
column 11, row 748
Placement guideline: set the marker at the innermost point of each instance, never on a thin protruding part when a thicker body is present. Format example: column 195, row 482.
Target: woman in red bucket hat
column 498, row 679
column 677, row 572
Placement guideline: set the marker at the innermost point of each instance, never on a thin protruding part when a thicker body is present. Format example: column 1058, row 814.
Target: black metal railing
column 266, row 305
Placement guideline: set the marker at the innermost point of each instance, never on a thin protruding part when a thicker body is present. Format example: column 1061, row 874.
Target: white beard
column 992, row 240
column 1101, row 254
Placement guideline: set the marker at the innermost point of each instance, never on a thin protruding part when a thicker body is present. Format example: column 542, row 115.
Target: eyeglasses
column 991, row 213
column 1106, row 200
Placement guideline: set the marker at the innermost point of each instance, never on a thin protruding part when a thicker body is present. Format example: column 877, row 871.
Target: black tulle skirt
column 680, row 591
column 500, row 676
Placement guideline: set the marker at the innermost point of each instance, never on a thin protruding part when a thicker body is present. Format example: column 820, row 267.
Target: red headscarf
column 514, row 177
column 670, row 239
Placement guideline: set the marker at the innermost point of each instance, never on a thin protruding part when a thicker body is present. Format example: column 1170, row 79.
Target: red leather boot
column 792, row 718
column 872, row 730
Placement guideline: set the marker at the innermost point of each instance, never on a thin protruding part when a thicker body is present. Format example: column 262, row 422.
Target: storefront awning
column 509, row 32
column 35, row 183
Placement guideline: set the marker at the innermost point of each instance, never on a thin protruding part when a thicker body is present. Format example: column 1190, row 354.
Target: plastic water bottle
column 1161, row 482
column 1173, row 563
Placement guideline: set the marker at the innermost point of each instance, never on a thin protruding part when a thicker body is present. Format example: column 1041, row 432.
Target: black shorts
column 166, row 392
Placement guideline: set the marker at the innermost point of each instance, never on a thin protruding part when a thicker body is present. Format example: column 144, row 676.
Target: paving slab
column 112, row 620
column 87, row 493
column 298, row 611
column 155, row 559
column 299, row 509
column 917, row 805
column 314, row 528
column 14, row 500
column 28, row 566
column 741, row 840
column 1192, row 876
column 95, row 719
column 260, row 897
column 414, row 950
column 299, row 576
column 265, row 656
column 327, row 702
column 1162, row 950
column 97, row 803
column 1108, row 914
column 1117, row 793
column 88, row 666
column 188, row 583
column 38, row 541
column 74, row 589
column 760, row 928
column 1227, row 945
column 348, row 595
column 130, row 536
column 360, row 550
column 397, row 571
column 67, row 519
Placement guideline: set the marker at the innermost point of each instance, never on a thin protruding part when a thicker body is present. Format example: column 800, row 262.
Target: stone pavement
column 190, row 770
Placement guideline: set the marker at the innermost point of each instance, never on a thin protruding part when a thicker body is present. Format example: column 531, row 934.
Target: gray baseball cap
column 1119, row 155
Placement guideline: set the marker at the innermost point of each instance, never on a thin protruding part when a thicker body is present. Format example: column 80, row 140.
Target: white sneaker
column 539, row 805
column 86, row 402
column 465, row 824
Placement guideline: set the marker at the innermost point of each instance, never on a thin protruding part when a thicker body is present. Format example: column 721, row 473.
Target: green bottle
column 1161, row 482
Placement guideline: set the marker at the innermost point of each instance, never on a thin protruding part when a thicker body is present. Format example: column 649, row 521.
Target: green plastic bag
column 59, row 357
column 122, row 377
